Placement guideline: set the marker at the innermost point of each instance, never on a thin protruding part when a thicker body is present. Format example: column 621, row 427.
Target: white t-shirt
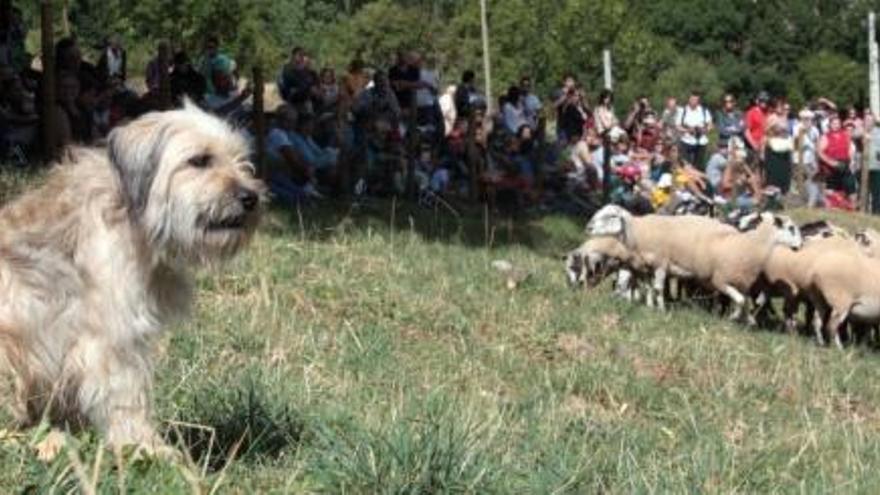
column 425, row 97
column 694, row 117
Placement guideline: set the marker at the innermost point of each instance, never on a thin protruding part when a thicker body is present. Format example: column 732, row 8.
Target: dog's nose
column 248, row 198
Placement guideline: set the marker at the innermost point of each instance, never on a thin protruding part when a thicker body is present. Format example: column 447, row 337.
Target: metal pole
column 487, row 69
column 47, row 112
column 606, row 61
column 874, row 81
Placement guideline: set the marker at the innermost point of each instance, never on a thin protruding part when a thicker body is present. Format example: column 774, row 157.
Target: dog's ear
column 136, row 150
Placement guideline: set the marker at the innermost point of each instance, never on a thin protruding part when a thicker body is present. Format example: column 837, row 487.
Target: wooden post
column 47, row 112
column 487, row 68
column 259, row 121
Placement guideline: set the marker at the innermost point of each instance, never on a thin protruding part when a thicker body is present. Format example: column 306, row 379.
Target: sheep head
column 785, row 231
column 611, row 220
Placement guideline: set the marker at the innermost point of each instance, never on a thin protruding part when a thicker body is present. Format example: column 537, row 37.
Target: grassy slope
column 341, row 355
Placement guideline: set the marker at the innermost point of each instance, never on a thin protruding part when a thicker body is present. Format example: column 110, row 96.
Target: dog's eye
column 200, row 161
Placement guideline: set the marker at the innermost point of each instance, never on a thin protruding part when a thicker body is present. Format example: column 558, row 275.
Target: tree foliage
column 801, row 48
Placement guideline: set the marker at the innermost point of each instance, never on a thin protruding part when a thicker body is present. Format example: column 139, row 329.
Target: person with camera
column 573, row 115
column 694, row 124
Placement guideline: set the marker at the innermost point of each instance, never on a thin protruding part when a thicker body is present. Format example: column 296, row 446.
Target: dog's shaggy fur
column 95, row 262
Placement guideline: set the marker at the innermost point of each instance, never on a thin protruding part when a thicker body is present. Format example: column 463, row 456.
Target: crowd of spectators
column 374, row 131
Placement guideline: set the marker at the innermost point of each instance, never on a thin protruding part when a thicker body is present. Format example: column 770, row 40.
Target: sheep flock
column 739, row 269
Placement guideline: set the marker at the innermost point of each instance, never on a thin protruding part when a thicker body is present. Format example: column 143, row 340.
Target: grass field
column 378, row 352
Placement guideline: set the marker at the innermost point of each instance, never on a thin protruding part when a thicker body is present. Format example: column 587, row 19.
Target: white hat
column 806, row 114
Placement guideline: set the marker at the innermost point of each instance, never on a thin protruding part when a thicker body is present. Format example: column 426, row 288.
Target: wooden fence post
column 47, row 112
column 259, row 120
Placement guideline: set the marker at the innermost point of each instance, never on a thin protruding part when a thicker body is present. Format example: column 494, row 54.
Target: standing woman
column 778, row 154
column 604, row 113
column 835, row 155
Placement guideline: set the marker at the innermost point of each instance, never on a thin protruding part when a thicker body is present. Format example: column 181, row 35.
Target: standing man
column 694, row 123
column 730, row 121
column 531, row 104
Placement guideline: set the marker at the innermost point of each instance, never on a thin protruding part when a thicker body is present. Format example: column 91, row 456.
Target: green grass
column 340, row 354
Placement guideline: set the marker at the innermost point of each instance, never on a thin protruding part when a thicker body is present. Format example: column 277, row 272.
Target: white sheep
column 649, row 236
column 845, row 283
column 786, row 272
column 691, row 246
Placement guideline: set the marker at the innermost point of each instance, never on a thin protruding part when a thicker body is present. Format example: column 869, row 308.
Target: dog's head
column 187, row 180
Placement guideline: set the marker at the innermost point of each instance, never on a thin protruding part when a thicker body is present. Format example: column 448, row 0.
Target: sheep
column 716, row 254
column 593, row 260
column 786, row 271
column 845, row 283
column 650, row 235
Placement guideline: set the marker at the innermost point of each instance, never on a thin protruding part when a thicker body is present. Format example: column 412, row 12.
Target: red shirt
column 837, row 145
column 756, row 120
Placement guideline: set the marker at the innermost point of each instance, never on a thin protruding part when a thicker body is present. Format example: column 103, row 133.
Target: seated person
column 19, row 121
column 290, row 177
column 322, row 161
column 226, row 100
column 186, row 81
column 74, row 120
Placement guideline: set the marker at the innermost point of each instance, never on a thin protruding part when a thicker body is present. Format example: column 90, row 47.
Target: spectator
column 19, row 121
column 730, row 121
column 560, row 96
column 113, row 62
column 873, row 133
column 376, row 123
column 427, row 105
column 633, row 122
column 68, row 58
column 377, row 102
column 298, row 82
column 694, row 124
column 514, row 111
column 716, row 165
column 353, row 83
column 162, row 61
column 756, row 126
column 447, row 108
column 327, row 108
column 13, row 33
column 74, row 123
column 186, row 81
column 649, row 134
column 835, row 154
column 226, row 100
column 405, row 79
column 806, row 141
column 289, row 176
column 778, row 154
column 531, row 104
column 603, row 116
column 465, row 95
column 212, row 60
column 321, row 161
column 572, row 116
column 669, row 121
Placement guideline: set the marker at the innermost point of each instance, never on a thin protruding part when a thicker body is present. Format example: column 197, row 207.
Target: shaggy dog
column 96, row 262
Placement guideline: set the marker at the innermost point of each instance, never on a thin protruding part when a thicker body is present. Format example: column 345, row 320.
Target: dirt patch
column 575, row 346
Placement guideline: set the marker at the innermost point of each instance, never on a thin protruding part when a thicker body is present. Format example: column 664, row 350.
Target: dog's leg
column 114, row 394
